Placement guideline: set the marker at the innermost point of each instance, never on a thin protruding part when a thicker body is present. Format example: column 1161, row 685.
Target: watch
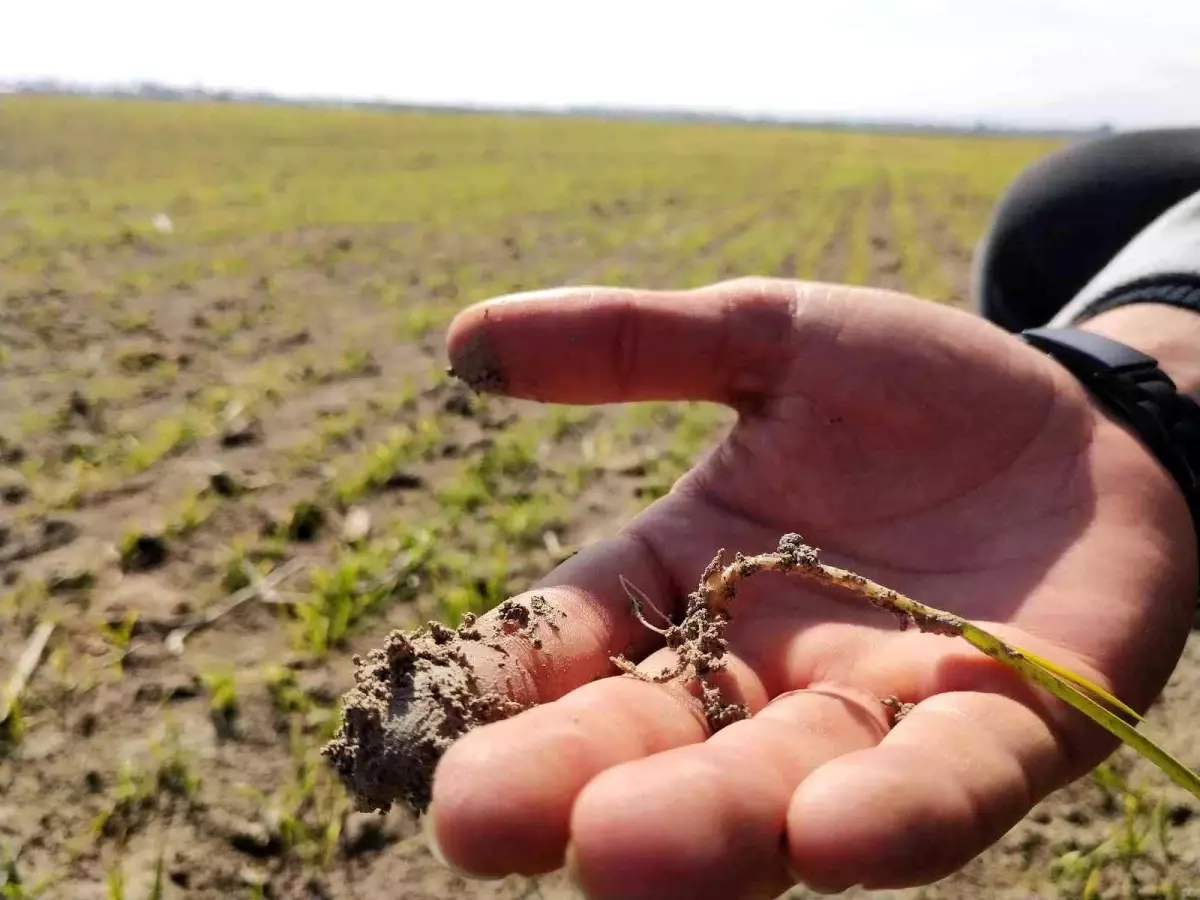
column 1136, row 391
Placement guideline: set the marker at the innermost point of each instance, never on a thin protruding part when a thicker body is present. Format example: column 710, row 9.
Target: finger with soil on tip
column 600, row 345
column 411, row 702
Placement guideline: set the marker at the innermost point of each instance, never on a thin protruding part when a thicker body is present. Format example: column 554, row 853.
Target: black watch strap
column 1136, row 391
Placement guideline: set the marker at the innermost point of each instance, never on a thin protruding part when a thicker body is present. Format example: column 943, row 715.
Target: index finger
column 722, row 343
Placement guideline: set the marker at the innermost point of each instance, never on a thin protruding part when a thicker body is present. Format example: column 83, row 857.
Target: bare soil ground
column 186, row 411
column 885, row 253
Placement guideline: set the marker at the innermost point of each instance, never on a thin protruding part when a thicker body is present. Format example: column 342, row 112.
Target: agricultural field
column 231, row 457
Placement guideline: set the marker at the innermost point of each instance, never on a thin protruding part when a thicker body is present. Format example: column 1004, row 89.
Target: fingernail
column 574, row 292
column 435, row 850
column 527, row 296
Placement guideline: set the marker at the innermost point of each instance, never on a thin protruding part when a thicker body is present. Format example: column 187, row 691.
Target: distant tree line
column 148, row 90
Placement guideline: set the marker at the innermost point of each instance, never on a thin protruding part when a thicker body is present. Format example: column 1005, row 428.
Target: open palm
column 914, row 444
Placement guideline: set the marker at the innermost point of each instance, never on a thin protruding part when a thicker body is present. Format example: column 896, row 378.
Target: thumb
column 727, row 343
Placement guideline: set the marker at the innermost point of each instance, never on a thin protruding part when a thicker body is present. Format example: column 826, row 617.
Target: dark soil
column 413, row 698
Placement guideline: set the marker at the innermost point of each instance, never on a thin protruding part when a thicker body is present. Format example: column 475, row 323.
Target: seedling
column 1136, row 855
column 222, row 701
column 709, row 609
column 419, row 693
column 118, row 634
column 12, row 729
column 13, row 885
column 138, row 790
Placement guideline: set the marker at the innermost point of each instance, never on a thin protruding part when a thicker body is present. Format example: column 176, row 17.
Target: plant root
column 699, row 639
column 700, row 643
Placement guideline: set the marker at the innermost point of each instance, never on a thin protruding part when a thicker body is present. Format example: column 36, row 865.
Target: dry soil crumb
column 717, row 711
column 477, row 366
column 897, row 708
column 514, row 615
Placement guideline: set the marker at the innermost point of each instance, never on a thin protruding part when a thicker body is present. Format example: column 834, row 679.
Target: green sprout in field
column 140, row 790
column 14, row 885
column 360, row 583
column 223, row 704
column 1135, row 856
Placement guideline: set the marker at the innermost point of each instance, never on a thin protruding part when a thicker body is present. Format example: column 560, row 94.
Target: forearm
column 1169, row 334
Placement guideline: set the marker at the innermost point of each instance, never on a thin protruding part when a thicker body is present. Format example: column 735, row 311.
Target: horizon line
column 149, row 89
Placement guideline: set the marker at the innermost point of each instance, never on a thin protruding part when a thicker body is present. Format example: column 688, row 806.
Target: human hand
column 915, row 444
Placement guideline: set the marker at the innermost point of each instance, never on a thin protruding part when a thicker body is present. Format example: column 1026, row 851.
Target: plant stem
column 719, row 584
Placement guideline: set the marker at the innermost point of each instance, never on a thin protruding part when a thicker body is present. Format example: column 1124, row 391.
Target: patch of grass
column 12, row 729
column 190, row 513
column 464, row 585
column 858, row 264
column 1134, row 859
column 119, row 635
column 166, row 778
column 693, row 429
column 523, row 521
column 566, row 421
column 419, row 319
column 139, row 550
column 114, row 389
column 359, row 584
column 246, row 556
column 32, row 422
column 308, row 809
column 165, row 438
column 24, row 599
column 507, row 465
column 357, row 362
column 234, row 576
column 382, row 463
column 14, row 885
column 115, row 881
column 133, row 322
column 919, row 264
column 287, row 697
column 337, row 429
column 305, row 521
column 222, row 688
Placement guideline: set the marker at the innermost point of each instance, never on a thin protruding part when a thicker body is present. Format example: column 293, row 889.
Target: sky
column 1128, row 63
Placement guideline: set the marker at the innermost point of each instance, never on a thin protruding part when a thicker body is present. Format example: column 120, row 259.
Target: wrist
column 1168, row 333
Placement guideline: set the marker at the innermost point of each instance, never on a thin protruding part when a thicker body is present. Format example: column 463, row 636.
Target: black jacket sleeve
column 1161, row 263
